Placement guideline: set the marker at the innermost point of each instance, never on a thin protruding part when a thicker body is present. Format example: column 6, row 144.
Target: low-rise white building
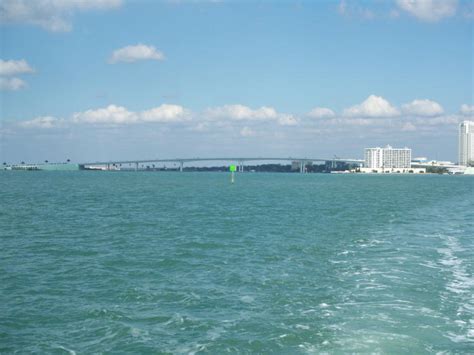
column 392, row 170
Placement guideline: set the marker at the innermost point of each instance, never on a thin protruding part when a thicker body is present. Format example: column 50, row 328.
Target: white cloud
column 440, row 120
column 52, row 15
column 245, row 113
column 119, row 115
column 14, row 67
column 373, row 106
column 111, row 114
column 429, row 10
column 321, row 112
column 245, row 120
column 467, row 110
column 344, row 121
column 422, row 108
column 11, row 84
column 353, row 9
column 165, row 113
column 287, row 120
column 241, row 112
column 42, row 122
column 247, row 132
column 130, row 54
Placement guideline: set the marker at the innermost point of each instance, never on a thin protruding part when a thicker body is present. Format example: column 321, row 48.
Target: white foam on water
column 247, row 299
column 70, row 351
column 139, row 333
column 215, row 333
column 191, row 298
column 312, row 349
column 345, row 252
column 175, row 319
column 461, row 282
column 461, row 285
column 190, row 349
column 430, row 264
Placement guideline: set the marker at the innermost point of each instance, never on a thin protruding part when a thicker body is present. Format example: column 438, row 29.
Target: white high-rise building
column 466, row 143
column 388, row 158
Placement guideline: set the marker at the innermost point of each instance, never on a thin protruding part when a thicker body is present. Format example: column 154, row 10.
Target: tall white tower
column 466, row 143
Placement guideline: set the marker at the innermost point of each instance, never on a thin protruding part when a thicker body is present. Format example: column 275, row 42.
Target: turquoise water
column 95, row 262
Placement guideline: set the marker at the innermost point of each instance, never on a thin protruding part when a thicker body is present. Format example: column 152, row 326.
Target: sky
column 115, row 79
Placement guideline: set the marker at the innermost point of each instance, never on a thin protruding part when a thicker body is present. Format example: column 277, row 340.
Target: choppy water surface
column 286, row 263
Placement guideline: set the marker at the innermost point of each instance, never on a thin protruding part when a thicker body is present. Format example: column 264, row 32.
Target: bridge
column 239, row 161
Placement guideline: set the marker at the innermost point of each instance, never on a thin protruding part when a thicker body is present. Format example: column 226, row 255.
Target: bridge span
column 239, row 161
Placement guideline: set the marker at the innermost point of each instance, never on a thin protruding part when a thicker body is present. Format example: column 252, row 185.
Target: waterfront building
column 391, row 171
column 466, row 143
column 419, row 160
column 46, row 167
column 388, row 158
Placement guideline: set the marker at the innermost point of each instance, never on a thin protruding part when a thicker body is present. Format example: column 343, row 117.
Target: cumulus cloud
column 245, row 113
column 10, row 68
column 14, row 67
column 52, row 15
column 287, row 120
column 166, row 113
column 42, row 122
column 467, row 110
column 375, row 113
column 119, row 115
column 429, row 10
column 11, row 84
column 422, row 108
column 115, row 115
column 373, row 106
column 130, row 54
column 241, row 112
column 321, row 112
column 111, row 114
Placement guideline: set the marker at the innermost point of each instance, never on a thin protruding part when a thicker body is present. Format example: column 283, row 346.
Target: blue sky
column 232, row 78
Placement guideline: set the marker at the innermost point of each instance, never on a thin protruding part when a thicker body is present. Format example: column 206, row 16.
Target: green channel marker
column 232, row 169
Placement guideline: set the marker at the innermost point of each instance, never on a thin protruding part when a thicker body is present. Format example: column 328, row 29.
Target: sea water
column 144, row 262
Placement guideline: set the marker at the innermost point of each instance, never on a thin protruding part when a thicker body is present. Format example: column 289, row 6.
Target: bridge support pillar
column 181, row 166
column 136, row 166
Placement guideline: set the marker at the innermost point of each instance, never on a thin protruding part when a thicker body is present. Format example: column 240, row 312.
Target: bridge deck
column 232, row 159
